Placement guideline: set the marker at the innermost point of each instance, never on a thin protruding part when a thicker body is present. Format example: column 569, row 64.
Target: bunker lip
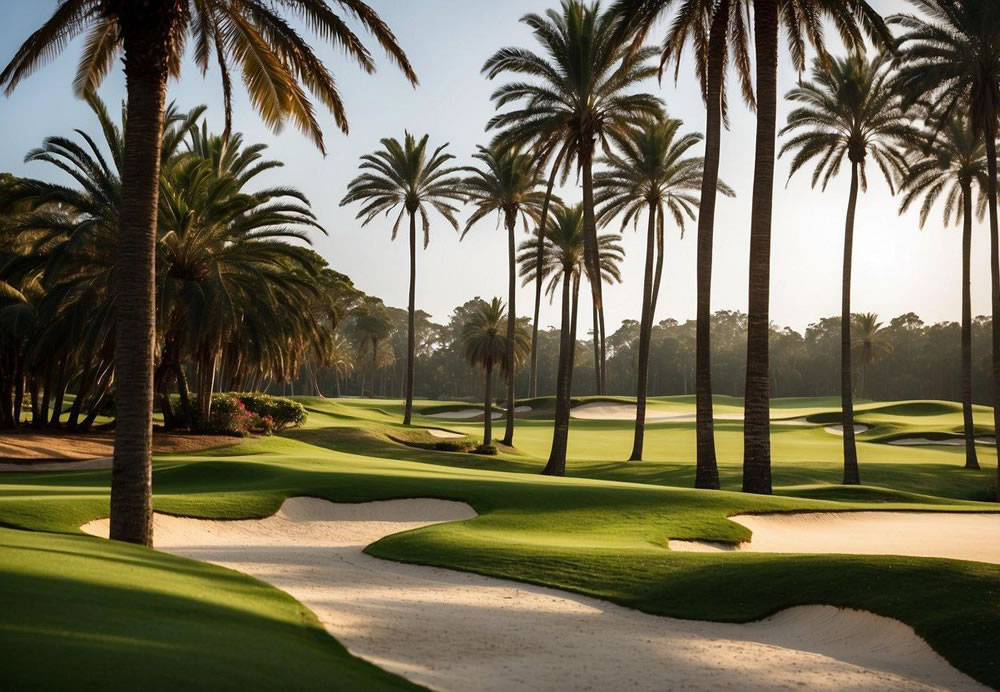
column 454, row 630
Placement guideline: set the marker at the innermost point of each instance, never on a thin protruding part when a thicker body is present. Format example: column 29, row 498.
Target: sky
column 897, row 266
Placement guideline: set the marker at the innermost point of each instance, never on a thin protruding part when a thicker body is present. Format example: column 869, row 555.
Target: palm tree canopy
column 943, row 159
column 563, row 250
column 405, row 175
column 849, row 110
column 651, row 167
column 484, row 340
column 277, row 63
column 574, row 93
column 869, row 341
column 952, row 58
column 506, row 183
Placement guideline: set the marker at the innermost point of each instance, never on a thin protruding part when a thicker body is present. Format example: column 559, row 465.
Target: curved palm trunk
column 707, row 468
column 539, row 255
column 597, row 348
column 852, row 475
column 645, row 330
column 756, row 421
column 590, row 249
column 508, row 435
column 411, row 343
column 147, row 30
column 556, row 465
column 991, row 193
column 971, row 458
column 488, row 406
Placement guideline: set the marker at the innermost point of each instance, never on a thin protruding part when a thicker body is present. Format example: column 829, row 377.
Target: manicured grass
column 591, row 533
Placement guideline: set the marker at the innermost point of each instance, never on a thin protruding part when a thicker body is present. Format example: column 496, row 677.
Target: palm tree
column 275, row 61
column 870, row 344
column 486, row 347
column 563, row 263
column 578, row 98
column 404, row 175
column 653, row 173
column 802, row 22
column 951, row 60
column 507, row 184
column 848, row 110
column 373, row 325
column 945, row 160
column 715, row 29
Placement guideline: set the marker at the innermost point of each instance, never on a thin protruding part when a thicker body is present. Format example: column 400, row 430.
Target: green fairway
column 602, row 531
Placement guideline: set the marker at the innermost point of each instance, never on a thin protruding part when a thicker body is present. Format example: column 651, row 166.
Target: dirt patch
column 44, row 445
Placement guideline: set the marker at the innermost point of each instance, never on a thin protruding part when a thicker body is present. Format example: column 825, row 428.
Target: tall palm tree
column 578, row 97
column 951, row 60
column 485, row 346
column 945, row 161
column 406, row 176
column 717, row 31
column 507, row 183
column 848, row 110
column 563, row 263
column 276, row 63
column 802, row 21
column 653, row 173
column 870, row 344
column 373, row 325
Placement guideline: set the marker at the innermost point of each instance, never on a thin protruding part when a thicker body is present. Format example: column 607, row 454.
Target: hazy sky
column 897, row 268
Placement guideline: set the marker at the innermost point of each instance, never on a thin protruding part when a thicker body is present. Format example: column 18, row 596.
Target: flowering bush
column 258, row 414
column 280, row 412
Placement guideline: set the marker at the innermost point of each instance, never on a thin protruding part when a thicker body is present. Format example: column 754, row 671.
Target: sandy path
column 962, row 536
column 456, row 631
column 81, row 465
column 31, row 444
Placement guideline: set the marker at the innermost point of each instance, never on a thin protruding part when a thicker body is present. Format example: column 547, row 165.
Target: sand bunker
column 602, row 410
column 949, row 442
column 922, row 534
column 839, row 429
column 463, row 413
column 447, row 434
column 456, row 631
column 81, row 465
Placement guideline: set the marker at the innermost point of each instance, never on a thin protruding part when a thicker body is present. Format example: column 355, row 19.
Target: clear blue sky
column 898, row 267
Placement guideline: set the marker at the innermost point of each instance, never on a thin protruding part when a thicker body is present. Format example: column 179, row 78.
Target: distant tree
column 870, row 344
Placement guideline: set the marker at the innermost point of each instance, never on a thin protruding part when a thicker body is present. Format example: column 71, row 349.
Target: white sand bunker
column 463, row 413
column 82, row 465
column 962, row 536
column 457, row 631
column 948, row 442
column 447, row 434
column 605, row 410
column 839, row 429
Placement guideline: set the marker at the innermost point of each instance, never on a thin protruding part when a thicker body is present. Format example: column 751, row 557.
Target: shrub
column 230, row 417
column 279, row 412
column 242, row 414
column 486, row 450
column 453, row 446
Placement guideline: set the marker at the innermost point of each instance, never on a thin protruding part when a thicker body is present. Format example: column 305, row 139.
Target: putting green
column 603, row 531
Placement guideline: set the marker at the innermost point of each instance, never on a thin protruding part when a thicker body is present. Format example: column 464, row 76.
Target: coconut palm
column 276, row 62
column 485, row 346
column 563, row 263
column 803, row 24
column 716, row 30
column 848, row 110
column 507, row 183
column 652, row 173
column 406, row 176
column 577, row 97
column 951, row 60
column 945, row 162
column 870, row 344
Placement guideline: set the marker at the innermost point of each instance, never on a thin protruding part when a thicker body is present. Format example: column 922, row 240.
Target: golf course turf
column 112, row 613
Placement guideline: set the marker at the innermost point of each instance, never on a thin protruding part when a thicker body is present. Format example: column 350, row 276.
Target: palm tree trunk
column 539, row 256
column 756, row 421
column 411, row 343
column 852, row 475
column 971, row 458
column 604, row 350
column 556, row 465
column 707, row 468
column 597, row 349
column 147, row 31
column 590, row 249
column 508, row 435
column 60, row 392
column 374, row 368
column 645, row 331
column 488, row 406
column 990, row 135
